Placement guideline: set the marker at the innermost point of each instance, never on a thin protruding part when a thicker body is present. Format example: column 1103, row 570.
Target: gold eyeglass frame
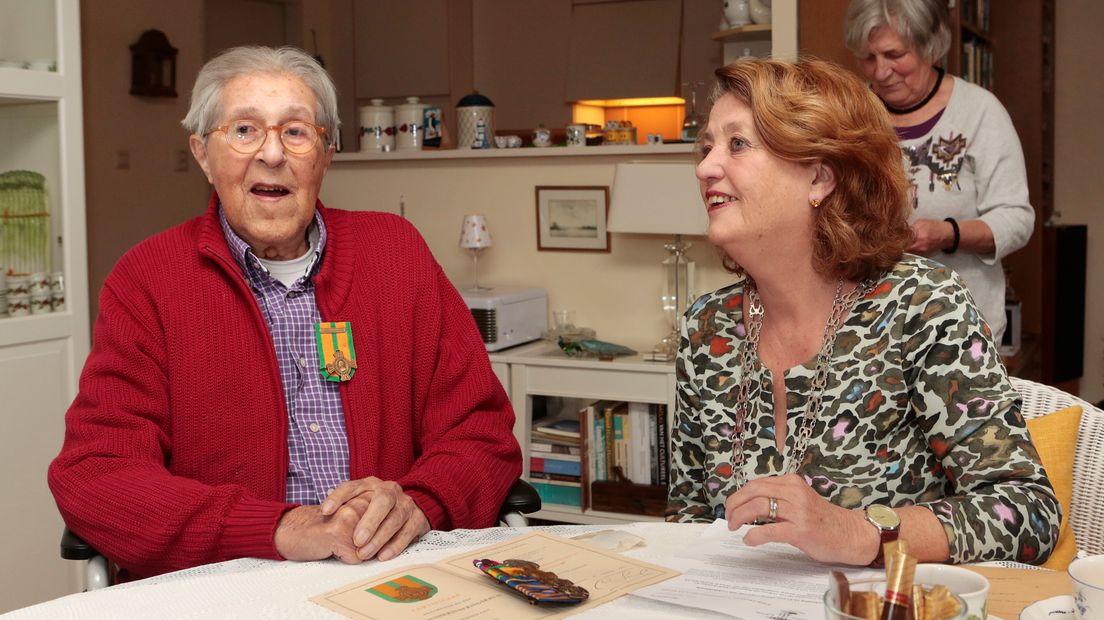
column 321, row 131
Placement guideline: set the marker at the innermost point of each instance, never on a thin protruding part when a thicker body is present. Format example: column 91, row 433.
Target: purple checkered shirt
column 318, row 448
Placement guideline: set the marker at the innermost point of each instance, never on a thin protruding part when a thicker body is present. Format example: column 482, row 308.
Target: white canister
column 19, row 306
column 40, row 283
column 409, row 125
column 41, row 304
column 475, row 122
column 57, row 282
column 377, row 126
column 19, row 286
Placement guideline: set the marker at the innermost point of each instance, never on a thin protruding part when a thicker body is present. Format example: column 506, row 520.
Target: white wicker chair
column 1087, row 506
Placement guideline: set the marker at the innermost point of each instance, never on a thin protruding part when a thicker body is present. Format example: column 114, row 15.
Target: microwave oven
column 507, row 316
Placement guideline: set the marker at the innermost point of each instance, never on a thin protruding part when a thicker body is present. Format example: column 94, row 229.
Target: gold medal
column 337, row 359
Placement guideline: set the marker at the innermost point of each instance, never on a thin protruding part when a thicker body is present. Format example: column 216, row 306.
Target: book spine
column 662, row 439
column 554, row 448
column 584, row 461
column 554, row 466
column 610, row 462
column 619, row 453
column 598, row 447
column 563, row 493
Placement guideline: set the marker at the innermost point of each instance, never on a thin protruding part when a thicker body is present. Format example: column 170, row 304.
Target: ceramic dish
column 1054, row 608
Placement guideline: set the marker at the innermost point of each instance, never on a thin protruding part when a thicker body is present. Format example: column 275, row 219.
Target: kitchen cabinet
column 622, row 50
column 520, row 60
column 41, row 355
column 540, row 370
column 401, row 48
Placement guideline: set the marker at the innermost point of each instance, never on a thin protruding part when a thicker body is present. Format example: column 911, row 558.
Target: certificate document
column 768, row 582
column 454, row 589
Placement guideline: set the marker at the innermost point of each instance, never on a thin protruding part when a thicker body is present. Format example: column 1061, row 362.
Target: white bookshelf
column 540, row 369
column 41, row 356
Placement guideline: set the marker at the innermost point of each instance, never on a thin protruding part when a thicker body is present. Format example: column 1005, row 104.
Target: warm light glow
column 631, row 103
column 665, row 119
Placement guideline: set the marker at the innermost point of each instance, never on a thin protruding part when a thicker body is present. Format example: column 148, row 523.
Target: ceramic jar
column 409, row 125
column 377, row 127
column 475, row 122
column 760, row 11
column 737, row 12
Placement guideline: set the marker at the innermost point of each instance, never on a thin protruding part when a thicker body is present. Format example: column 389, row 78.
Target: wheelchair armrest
column 522, row 498
column 73, row 547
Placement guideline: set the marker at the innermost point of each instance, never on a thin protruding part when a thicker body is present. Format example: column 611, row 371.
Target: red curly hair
column 815, row 111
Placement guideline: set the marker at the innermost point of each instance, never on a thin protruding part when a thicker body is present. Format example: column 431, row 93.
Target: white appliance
column 508, row 316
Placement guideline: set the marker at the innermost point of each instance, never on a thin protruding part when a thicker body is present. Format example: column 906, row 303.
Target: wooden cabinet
column 541, row 370
column 621, row 50
column 41, row 355
column 401, row 48
column 519, row 60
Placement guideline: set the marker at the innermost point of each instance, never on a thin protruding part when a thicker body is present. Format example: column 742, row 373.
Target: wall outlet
column 180, row 160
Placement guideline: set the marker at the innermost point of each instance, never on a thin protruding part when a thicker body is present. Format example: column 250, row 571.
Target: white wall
column 1078, row 183
column 617, row 293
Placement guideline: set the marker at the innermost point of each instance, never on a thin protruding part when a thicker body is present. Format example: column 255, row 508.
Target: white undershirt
column 289, row 271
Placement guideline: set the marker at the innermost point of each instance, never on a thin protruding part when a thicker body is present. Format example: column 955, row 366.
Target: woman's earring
column 815, row 202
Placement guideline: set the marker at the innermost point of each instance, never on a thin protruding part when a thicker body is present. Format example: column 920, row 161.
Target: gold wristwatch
column 889, row 525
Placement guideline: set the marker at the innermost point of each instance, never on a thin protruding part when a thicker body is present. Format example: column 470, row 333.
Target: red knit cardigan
column 175, row 450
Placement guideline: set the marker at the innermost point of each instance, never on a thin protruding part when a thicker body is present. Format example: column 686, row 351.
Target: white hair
column 922, row 23
column 238, row 61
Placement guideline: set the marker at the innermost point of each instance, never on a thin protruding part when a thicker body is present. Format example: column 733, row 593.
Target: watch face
column 883, row 516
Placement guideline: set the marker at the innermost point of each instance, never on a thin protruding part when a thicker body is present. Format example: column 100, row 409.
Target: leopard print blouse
column 918, row 411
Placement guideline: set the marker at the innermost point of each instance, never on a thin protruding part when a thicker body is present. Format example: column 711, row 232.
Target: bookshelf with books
column 594, row 434
column 971, row 53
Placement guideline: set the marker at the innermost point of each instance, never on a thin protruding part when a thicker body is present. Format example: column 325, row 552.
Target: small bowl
column 876, row 584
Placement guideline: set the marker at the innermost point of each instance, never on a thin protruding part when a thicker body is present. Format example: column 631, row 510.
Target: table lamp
column 474, row 237
column 662, row 199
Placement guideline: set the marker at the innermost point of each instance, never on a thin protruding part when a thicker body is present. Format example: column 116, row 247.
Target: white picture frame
column 573, row 218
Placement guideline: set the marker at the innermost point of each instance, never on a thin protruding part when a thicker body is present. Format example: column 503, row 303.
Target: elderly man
column 276, row 379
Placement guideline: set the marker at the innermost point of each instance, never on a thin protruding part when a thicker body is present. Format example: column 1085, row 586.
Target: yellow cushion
column 1055, row 436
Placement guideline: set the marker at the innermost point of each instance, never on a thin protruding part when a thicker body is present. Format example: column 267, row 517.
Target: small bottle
column 693, row 121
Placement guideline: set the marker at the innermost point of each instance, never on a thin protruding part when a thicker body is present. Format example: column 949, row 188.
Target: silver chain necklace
column 841, row 306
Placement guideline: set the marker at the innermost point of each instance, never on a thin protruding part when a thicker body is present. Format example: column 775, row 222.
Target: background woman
column 841, row 391
column 961, row 151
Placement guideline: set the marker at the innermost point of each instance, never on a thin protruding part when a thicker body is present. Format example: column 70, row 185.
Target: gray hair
column 922, row 23
column 238, row 61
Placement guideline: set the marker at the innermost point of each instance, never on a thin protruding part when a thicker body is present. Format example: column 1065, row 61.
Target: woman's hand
column 804, row 519
column 930, row 236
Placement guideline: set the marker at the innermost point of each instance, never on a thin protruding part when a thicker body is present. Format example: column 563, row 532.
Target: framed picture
column 573, row 218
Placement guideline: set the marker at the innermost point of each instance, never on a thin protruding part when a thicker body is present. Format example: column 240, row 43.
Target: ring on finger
column 772, row 509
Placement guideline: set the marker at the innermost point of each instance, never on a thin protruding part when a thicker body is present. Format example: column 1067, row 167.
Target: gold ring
column 772, row 510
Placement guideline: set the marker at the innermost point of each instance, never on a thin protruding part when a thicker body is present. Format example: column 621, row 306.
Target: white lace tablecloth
column 251, row 588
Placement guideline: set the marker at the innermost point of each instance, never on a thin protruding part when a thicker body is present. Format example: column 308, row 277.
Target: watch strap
column 887, row 535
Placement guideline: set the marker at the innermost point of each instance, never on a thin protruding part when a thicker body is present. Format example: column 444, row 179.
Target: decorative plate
column 1054, row 608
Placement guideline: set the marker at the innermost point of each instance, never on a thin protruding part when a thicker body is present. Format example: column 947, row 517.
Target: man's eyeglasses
column 247, row 137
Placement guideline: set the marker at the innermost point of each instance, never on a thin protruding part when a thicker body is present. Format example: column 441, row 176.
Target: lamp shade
column 657, row 198
column 474, row 233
